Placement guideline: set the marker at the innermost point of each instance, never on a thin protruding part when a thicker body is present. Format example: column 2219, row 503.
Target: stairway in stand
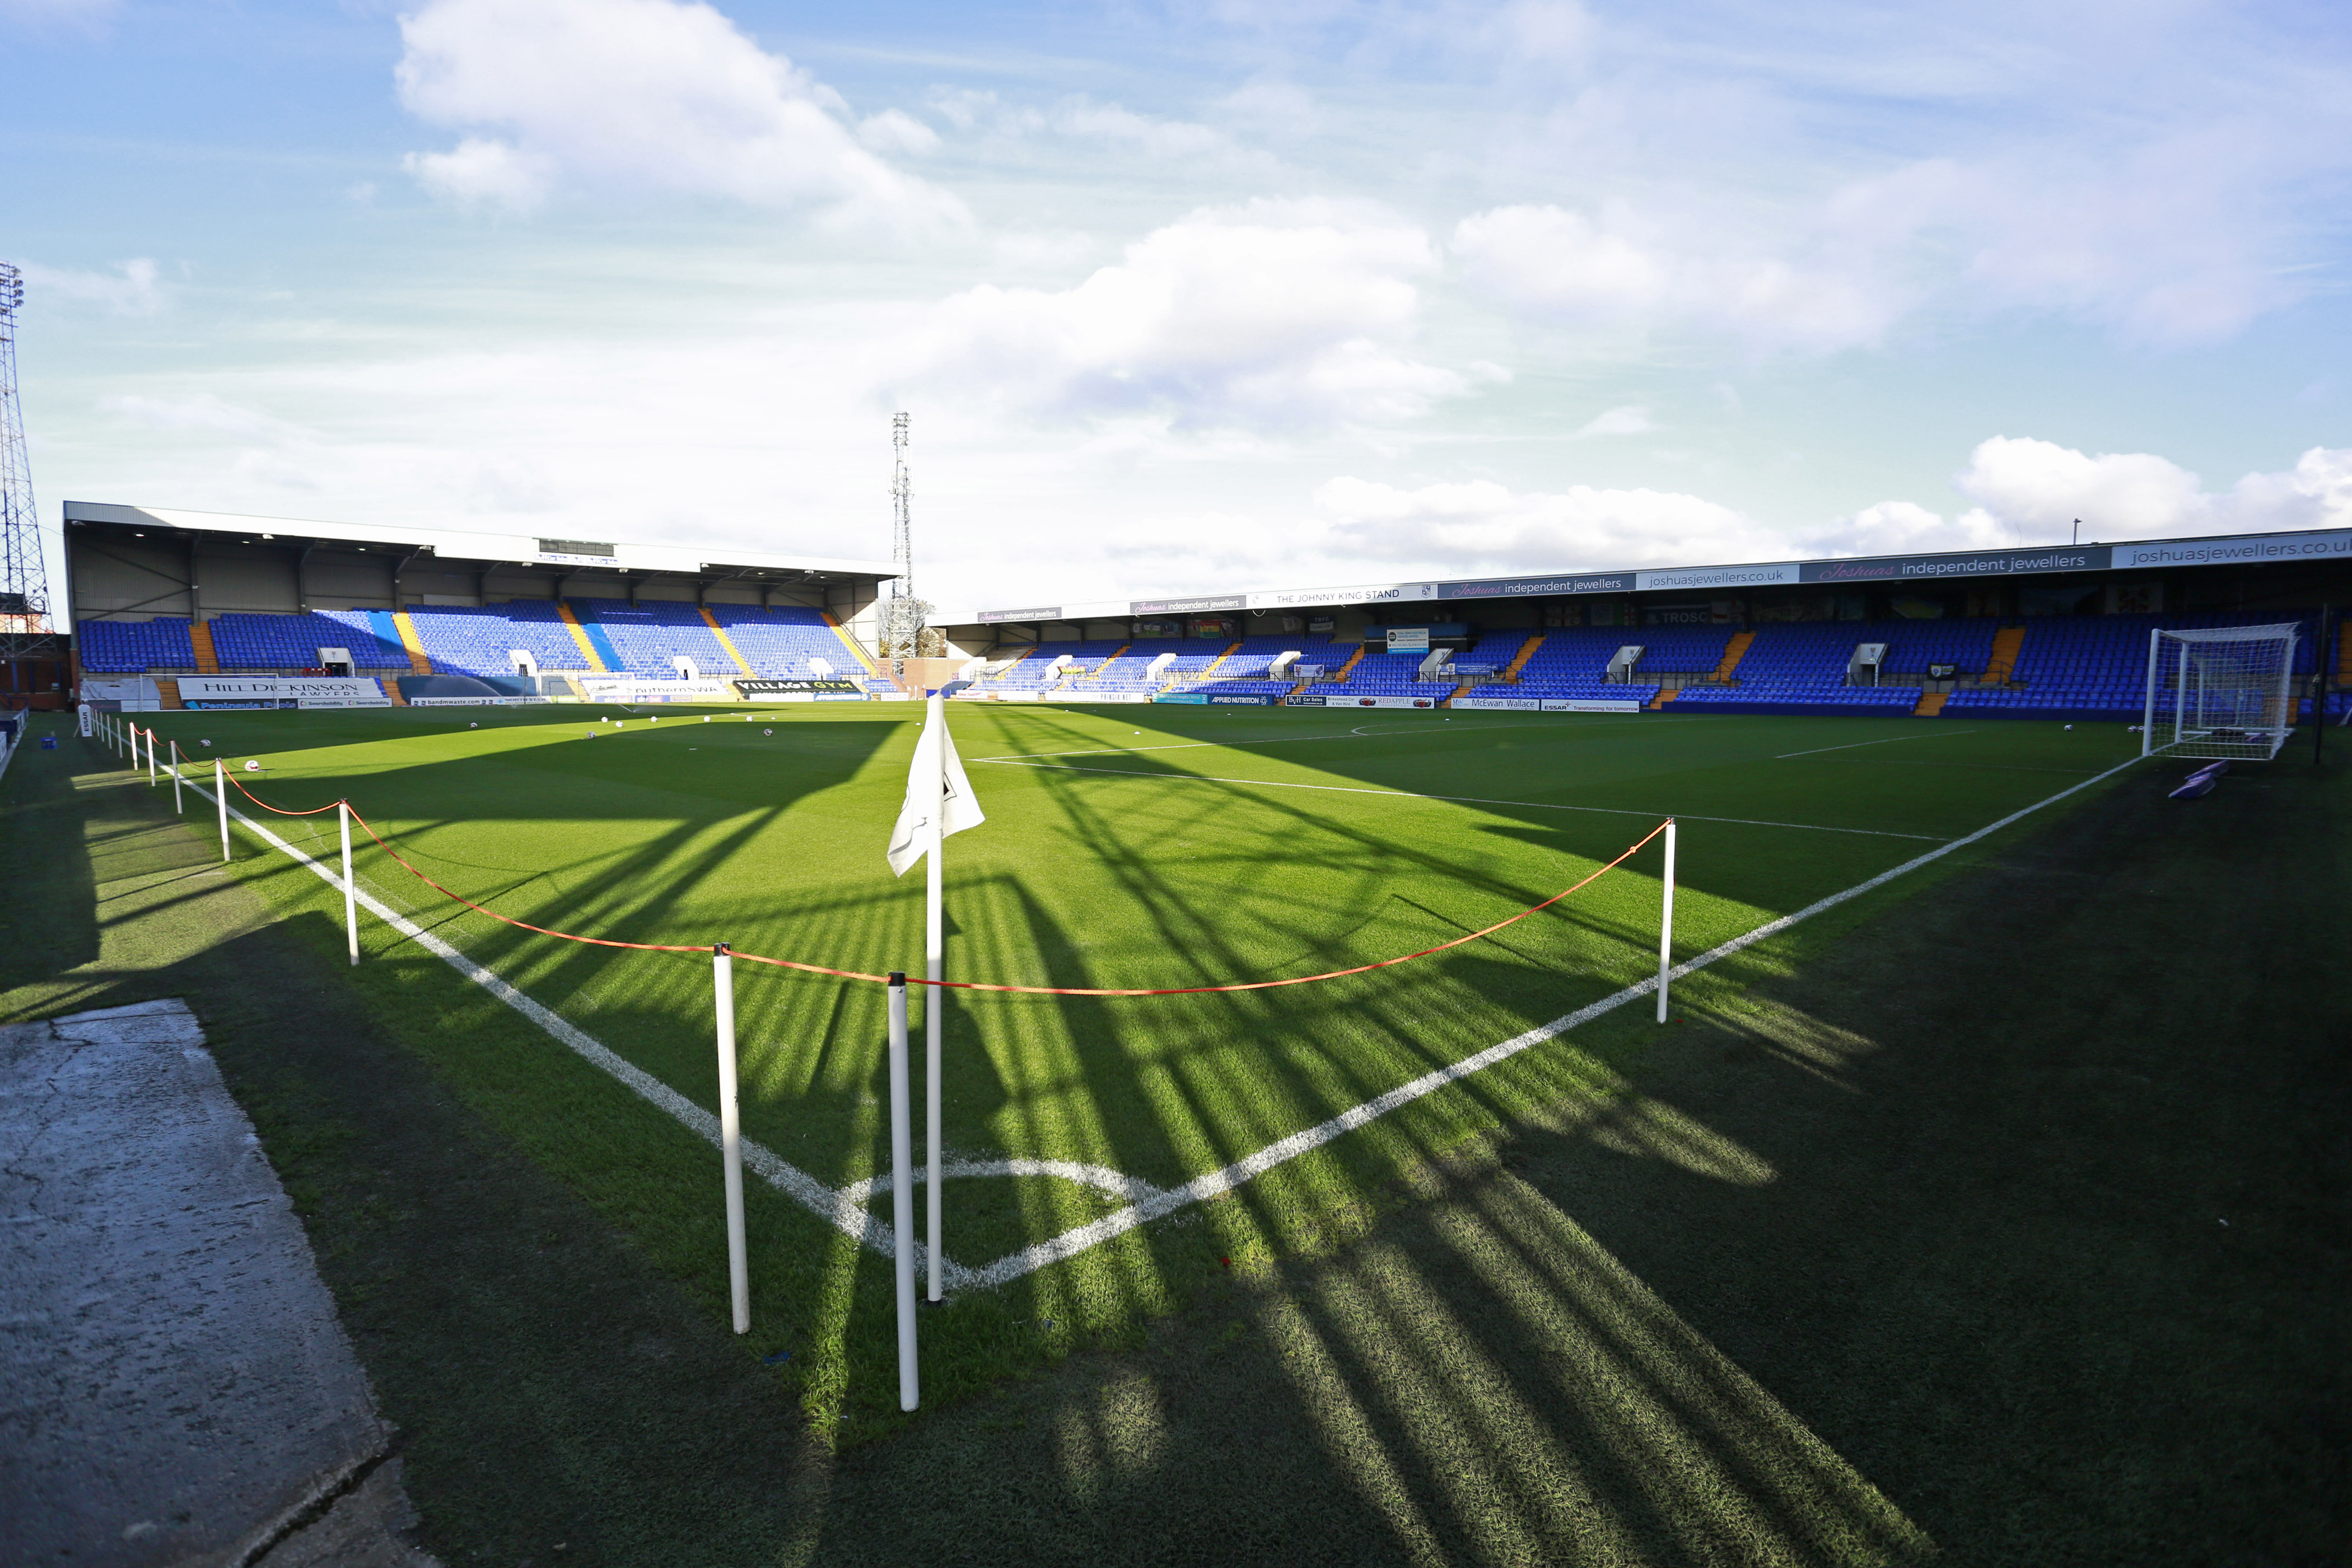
column 419, row 661
column 200, row 637
column 1930, row 704
column 1733, row 652
column 2001, row 668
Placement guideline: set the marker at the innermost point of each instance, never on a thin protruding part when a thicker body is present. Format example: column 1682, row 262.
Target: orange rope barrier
column 962, row 985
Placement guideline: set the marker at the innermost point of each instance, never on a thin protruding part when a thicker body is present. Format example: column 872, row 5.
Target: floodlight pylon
column 903, row 616
column 26, row 630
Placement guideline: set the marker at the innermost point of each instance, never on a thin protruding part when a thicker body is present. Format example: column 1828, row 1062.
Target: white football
column 252, row 767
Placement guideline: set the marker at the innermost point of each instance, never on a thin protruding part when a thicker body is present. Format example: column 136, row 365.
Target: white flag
column 935, row 784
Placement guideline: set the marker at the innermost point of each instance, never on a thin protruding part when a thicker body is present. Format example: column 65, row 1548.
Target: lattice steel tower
column 25, row 628
column 903, row 616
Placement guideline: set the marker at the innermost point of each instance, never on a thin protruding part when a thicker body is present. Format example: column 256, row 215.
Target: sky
column 1193, row 296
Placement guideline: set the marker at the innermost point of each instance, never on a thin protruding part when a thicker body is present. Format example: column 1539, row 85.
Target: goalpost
column 2224, row 692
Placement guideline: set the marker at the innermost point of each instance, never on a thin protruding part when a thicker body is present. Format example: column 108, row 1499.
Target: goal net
column 2224, row 692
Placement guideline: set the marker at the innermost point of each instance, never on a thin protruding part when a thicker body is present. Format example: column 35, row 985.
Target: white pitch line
column 844, row 1215
column 1458, row 799
column 1817, row 751
column 1360, row 732
column 1070, row 1243
column 850, row 1218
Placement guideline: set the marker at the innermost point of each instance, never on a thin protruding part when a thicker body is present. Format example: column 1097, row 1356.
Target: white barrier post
column 902, row 1191
column 220, row 792
column 730, row 1138
column 176, row 806
column 350, row 896
column 151, row 756
column 1667, row 922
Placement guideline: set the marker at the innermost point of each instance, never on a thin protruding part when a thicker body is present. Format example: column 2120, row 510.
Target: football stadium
column 1253, row 921
column 1438, row 783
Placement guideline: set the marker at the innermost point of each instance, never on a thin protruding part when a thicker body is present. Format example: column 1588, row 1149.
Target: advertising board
column 1501, row 704
column 1592, row 705
column 1241, row 702
column 1381, row 702
column 1371, row 594
column 1079, row 694
column 763, row 690
column 283, row 692
column 1303, row 700
column 1193, row 698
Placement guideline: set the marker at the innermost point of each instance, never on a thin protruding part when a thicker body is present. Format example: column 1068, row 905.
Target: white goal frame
column 2225, row 691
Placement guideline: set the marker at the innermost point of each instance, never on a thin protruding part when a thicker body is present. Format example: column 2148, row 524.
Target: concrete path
column 174, row 1387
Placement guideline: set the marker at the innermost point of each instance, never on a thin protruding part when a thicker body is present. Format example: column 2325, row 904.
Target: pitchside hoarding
column 295, row 690
column 763, row 690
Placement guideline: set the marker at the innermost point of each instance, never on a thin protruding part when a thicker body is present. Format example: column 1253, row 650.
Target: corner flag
column 935, row 786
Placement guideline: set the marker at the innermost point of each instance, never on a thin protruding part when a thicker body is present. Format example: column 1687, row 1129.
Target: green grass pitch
column 1136, row 846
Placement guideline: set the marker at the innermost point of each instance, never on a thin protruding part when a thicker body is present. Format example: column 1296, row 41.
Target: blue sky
column 1198, row 295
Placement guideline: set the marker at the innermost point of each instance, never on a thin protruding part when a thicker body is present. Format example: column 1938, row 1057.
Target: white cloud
column 1185, row 143
column 1482, row 526
column 895, row 130
column 651, row 94
column 1628, row 420
column 2038, row 488
column 1902, row 528
column 84, row 15
column 1627, row 271
column 134, row 288
column 2031, row 492
column 1281, row 314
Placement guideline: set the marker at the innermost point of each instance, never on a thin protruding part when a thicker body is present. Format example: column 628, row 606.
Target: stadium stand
column 779, row 642
column 464, row 641
column 650, row 634
column 2086, row 667
column 1244, row 672
column 292, row 642
column 131, row 647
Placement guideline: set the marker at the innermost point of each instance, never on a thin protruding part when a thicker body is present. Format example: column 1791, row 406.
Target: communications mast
column 903, row 616
column 25, row 628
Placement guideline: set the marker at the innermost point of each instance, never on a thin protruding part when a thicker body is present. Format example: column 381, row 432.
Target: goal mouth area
column 2221, row 692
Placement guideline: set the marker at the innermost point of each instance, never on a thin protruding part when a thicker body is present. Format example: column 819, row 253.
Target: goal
column 2224, row 692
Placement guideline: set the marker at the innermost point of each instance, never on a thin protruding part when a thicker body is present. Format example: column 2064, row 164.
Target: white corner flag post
column 934, row 995
column 730, row 1137
column 351, row 905
column 902, row 1194
column 220, row 792
column 939, row 802
column 1666, row 921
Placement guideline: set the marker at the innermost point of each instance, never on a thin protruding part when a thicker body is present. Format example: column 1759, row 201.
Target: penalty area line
column 844, row 1210
column 1856, row 746
column 1070, row 1243
column 1458, row 799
